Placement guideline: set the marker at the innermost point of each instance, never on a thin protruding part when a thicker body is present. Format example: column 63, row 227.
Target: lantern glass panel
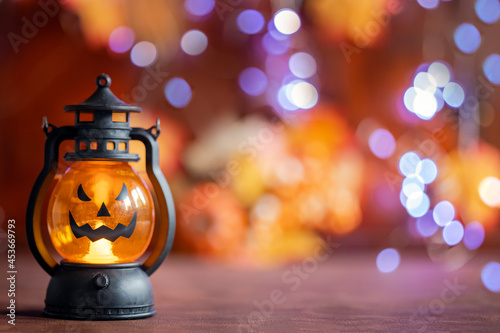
column 101, row 212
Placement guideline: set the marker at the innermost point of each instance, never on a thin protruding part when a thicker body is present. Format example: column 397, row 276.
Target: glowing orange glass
column 101, row 212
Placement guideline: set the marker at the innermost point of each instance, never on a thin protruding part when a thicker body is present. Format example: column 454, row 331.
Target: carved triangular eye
column 81, row 194
column 123, row 194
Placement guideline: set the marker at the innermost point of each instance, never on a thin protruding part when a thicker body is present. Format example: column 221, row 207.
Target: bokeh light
column 287, row 21
column 490, row 275
column 491, row 68
column 199, row 7
column 267, row 208
column 178, row 92
column 253, row 81
column 428, row 4
column 440, row 72
column 425, row 105
column 409, row 98
column 194, row 42
column 443, row 213
column 453, row 94
column 143, row 54
column 453, row 232
column 473, row 235
column 408, row 163
column 302, row 65
column 284, row 99
column 488, row 11
column 426, row 226
column 412, row 185
column 467, row 38
column 382, row 143
column 418, row 204
column 426, row 82
column 275, row 46
column 304, row 95
column 438, row 95
column 426, row 170
column 271, row 29
column 489, row 191
column 121, row 39
column 388, row 260
column 250, row 21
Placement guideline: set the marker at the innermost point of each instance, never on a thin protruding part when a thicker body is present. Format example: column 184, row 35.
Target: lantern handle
column 163, row 231
column 55, row 136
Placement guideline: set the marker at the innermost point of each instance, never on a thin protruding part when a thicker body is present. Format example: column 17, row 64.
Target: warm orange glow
column 106, row 204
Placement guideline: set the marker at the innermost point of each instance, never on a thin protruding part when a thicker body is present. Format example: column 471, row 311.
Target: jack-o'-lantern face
column 101, row 212
column 103, row 231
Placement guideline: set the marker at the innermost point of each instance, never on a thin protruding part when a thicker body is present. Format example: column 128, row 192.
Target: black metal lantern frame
column 97, row 291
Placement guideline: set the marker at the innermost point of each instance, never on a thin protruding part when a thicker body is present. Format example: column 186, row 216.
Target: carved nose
column 103, row 211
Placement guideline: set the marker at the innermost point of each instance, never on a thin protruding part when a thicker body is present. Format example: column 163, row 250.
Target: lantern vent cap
column 102, row 99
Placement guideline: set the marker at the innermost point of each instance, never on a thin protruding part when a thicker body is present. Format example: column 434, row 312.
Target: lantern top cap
column 103, row 99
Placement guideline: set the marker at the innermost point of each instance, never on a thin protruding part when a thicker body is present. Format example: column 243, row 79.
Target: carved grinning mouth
column 103, row 231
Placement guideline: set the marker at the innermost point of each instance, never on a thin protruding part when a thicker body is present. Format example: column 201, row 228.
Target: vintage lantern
column 101, row 216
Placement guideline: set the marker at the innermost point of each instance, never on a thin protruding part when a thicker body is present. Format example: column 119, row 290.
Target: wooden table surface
column 345, row 293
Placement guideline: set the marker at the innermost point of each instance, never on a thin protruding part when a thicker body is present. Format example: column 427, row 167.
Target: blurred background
column 285, row 123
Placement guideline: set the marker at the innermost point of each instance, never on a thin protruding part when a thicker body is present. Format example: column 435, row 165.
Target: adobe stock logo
column 30, row 28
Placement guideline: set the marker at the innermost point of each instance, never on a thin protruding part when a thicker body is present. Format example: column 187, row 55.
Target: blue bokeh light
column 453, row 232
column 491, row 68
column 408, row 163
column 418, row 204
column 467, row 38
column 453, row 94
column 490, row 275
column 250, row 21
column 283, row 98
column 428, row 4
column 426, row 82
column 178, row 92
column 440, row 72
column 426, row 226
column 425, row 104
column 409, row 98
column 388, row 260
column 253, row 81
column 443, row 213
column 438, row 95
column 473, row 235
column 426, row 170
column 488, row 11
column 412, row 185
column 403, row 198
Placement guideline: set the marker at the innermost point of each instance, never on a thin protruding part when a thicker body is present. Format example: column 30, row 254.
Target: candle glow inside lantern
column 101, row 216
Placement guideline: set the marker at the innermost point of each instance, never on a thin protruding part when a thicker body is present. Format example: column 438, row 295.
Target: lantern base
column 99, row 292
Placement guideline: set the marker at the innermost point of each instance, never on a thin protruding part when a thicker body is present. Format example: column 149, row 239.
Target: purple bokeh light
column 121, row 39
column 453, row 233
column 426, row 226
column 473, row 235
column 253, row 81
column 178, row 92
column 250, row 21
column 275, row 46
column 382, row 143
column 199, row 7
